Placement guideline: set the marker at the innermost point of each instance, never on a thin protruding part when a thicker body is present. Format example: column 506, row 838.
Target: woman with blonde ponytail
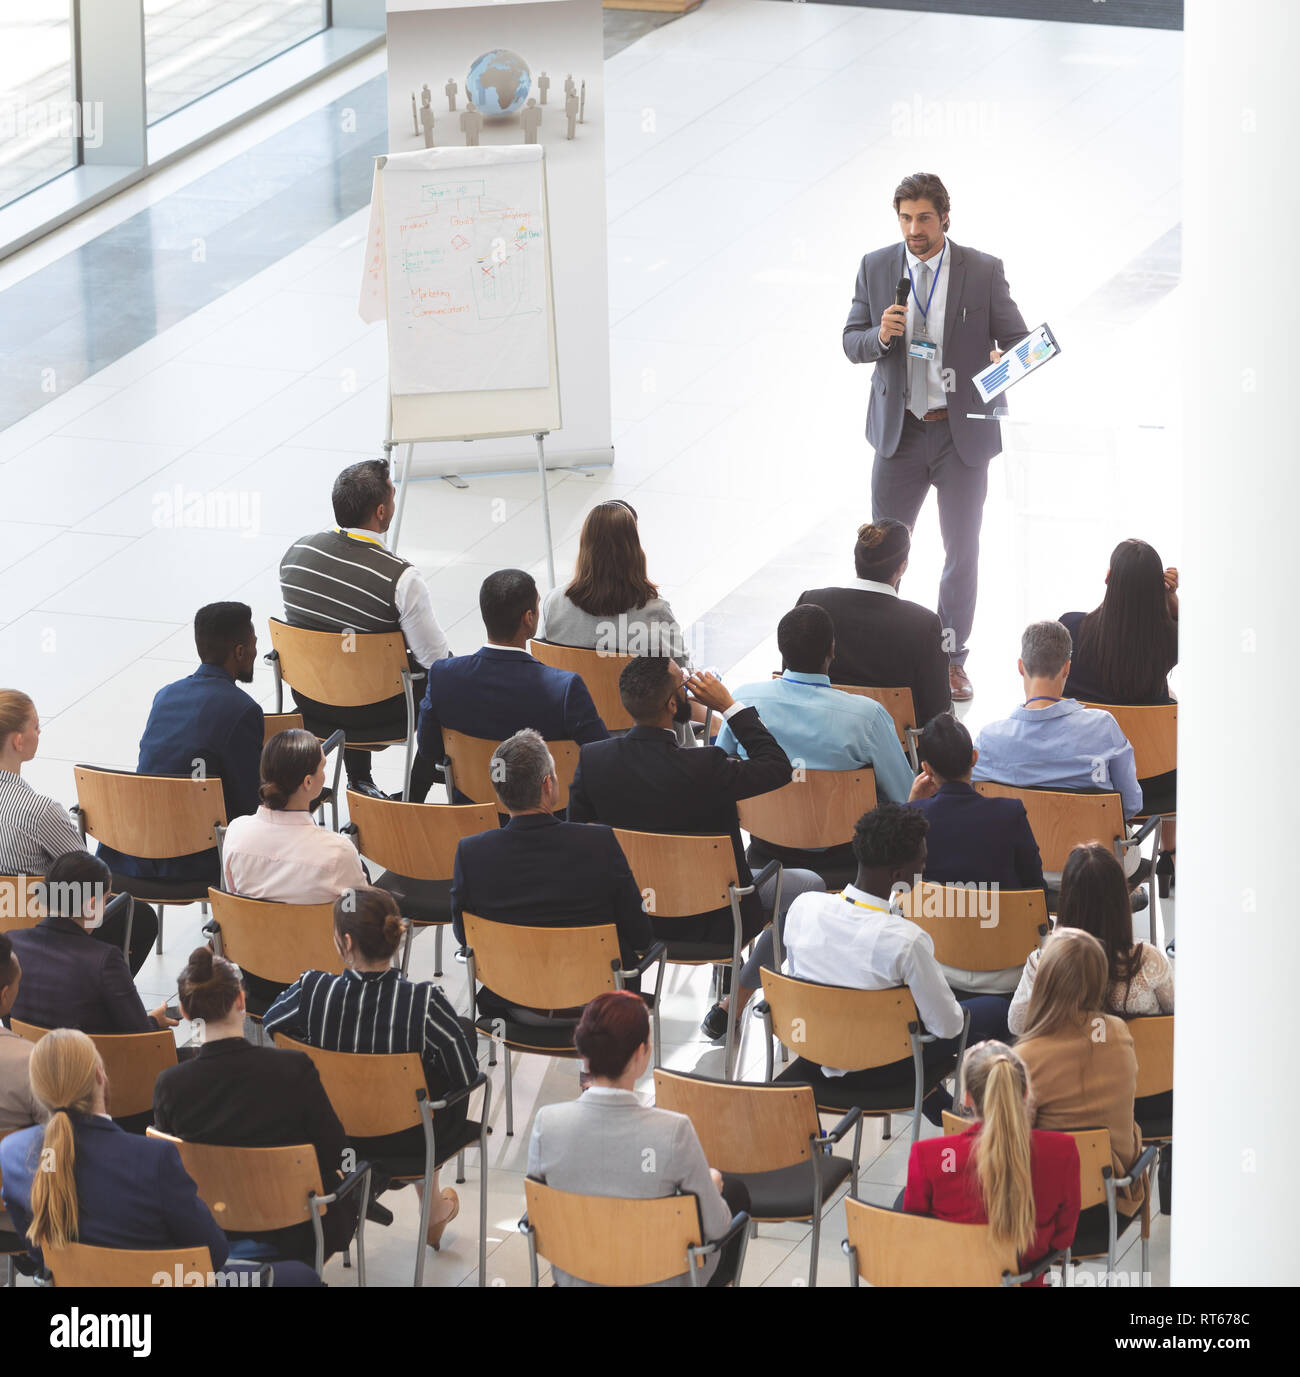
column 1023, row 1183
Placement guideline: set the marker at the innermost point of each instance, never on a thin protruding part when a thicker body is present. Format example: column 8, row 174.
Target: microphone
column 901, row 293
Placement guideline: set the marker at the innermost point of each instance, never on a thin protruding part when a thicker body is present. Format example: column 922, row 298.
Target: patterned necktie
column 918, row 369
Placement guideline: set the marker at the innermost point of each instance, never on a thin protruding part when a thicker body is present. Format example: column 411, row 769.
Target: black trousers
column 144, row 933
column 736, row 1194
column 373, row 721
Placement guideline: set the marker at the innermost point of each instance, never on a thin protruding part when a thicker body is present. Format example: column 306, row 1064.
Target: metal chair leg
column 437, row 949
column 885, row 1127
column 510, row 1095
column 460, row 1167
column 157, row 946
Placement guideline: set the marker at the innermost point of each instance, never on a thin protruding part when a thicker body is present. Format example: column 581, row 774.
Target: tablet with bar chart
column 1018, row 362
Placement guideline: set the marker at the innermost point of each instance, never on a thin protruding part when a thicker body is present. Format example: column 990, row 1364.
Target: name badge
column 925, row 349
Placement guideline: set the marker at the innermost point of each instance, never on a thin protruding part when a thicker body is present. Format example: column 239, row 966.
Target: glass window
column 38, row 125
column 193, row 46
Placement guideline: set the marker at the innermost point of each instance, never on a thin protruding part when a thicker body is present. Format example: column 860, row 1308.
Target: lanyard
column 354, row 535
column 934, row 282
column 857, row 903
column 1041, row 698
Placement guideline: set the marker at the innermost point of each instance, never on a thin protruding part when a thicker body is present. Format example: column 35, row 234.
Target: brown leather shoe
column 959, row 684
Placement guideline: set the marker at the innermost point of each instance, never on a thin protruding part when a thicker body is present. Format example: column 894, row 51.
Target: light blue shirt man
column 827, row 729
column 1062, row 745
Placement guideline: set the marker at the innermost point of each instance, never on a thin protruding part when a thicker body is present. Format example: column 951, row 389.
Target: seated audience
column 972, row 839
column 1123, row 652
column 345, row 579
column 1053, row 742
column 80, row 1179
column 1022, row 1182
column 607, row 1142
column 205, row 718
column 501, row 687
column 1080, row 1059
column 18, row 1107
column 859, row 939
column 236, row 1095
column 279, row 853
column 882, row 640
column 1095, row 899
column 610, row 603
column 644, row 781
column 70, row 980
column 34, row 829
column 540, row 872
column 373, row 1008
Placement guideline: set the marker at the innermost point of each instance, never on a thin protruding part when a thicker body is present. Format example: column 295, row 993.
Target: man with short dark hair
column 19, row 1107
column 539, row 871
column 204, row 726
column 925, row 420
column 346, row 579
column 501, row 687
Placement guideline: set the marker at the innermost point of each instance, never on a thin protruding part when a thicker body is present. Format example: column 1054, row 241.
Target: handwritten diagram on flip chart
column 462, row 253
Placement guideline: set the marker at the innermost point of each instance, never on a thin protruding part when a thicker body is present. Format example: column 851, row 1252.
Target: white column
column 1238, row 904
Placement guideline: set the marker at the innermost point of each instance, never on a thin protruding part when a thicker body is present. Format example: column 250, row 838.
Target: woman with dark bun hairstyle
column 239, row 1095
column 279, row 853
column 608, row 1143
column 373, row 1008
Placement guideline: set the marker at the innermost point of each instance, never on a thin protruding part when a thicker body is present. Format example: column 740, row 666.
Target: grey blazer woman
column 648, row 630
column 607, row 1142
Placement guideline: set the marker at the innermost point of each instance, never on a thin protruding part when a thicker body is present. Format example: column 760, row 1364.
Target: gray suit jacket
column 607, row 1142
column 979, row 315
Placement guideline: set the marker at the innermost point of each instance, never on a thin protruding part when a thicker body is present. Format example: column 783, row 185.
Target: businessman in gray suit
column 925, row 418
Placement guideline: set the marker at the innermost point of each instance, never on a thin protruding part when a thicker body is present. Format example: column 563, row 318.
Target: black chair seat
column 893, row 1097
column 422, row 901
column 555, row 1039
column 150, row 890
column 787, row 1193
column 1091, row 1235
column 412, row 1168
column 698, row 952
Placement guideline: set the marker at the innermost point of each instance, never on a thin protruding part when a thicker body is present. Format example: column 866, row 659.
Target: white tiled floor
column 752, row 151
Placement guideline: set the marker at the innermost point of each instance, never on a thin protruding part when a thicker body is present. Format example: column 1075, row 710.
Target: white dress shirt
column 871, row 586
column 286, row 858
column 861, row 942
column 935, row 396
column 424, row 638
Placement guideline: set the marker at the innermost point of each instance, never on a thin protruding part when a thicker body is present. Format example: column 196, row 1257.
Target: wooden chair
column 22, row 901
column 890, row 1248
column 415, row 843
column 378, row 1094
column 609, row 1241
column 685, row 875
column 259, row 1189
column 856, row 1030
column 276, row 722
column 1098, row 1185
column 546, row 968
column 993, row 931
column 274, row 942
column 770, row 1138
column 816, row 810
column 80, row 1264
column 1152, row 731
column 468, row 767
column 347, row 669
column 155, row 817
column 1153, row 1041
column 598, row 670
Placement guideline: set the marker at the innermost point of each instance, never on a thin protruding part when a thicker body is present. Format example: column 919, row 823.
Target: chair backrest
column 154, row 816
column 276, row 722
column 978, row 930
column 611, row 1241
column 1153, row 1041
column 251, row 1189
column 471, row 764
column 80, row 1264
column 346, row 669
column 834, row 1026
column 276, row 941
column 1060, row 820
column 817, row 808
column 680, row 876
column 598, row 669
column 373, row 1094
column 132, row 1063
column 1094, row 1154
column 743, row 1128
column 22, row 901
column 543, row 968
column 1152, row 731
column 897, row 1249
column 417, row 840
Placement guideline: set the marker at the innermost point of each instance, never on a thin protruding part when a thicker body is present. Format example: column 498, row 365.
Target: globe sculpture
column 498, row 82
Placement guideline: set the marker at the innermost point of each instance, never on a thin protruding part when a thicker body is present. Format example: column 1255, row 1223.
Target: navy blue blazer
column 132, row 1192
column 496, row 692
column 973, row 839
column 207, row 717
column 72, row 981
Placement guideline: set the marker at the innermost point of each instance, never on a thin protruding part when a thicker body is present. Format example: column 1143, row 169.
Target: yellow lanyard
column 857, row 903
column 350, row 535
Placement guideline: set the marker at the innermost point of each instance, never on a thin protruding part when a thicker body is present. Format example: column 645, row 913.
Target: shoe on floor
column 378, row 1214
column 433, row 1234
column 367, row 787
column 959, row 684
column 714, row 1026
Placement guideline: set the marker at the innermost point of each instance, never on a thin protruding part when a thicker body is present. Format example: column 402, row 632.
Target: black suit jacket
column 644, row 782
column 72, row 981
column 884, row 641
column 974, row 839
column 238, row 1095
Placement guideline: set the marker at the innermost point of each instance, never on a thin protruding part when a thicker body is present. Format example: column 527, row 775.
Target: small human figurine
column 415, row 117
column 571, row 111
column 451, row 88
column 471, row 122
column 582, row 104
column 426, row 119
column 569, row 88
column 543, row 85
column 531, row 118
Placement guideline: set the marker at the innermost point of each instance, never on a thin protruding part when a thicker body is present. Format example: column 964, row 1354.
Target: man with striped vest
column 346, row 579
